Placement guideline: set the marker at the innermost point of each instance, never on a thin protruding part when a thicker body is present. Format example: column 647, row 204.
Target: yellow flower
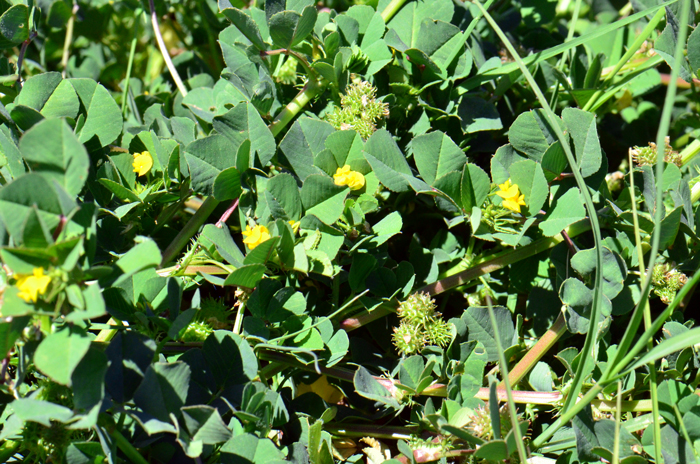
column 295, row 225
column 31, row 286
column 255, row 236
column 330, row 393
column 143, row 162
column 512, row 199
column 353, row 179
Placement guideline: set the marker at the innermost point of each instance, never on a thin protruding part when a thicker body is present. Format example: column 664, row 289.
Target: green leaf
column 247, row 448
column 475, row 187
column 246, row 25
column 346, row 147
column 494, row 450
column 84, row 452
column 554, row 161
column 531, row 134
column 407, row 22
column 436, row 155
column 362, row 265
column 289, row 28
column 480, row 329
column 668, row 229
column 694, row 51
column 244, row 122
column 614, row 269
column 578, row 300
column 389, row 164
column 565, row 210
column 207, row 158
column 163, row 390
column 205, row 424
column 665, row 45
column 129, row 354
column 89, row 381
column 52, row 150
column 584, row 132
column 368, row 387
column 283, row 190
column 10, row 331
column 42, row 412
column 49, row 94
column 14, row 26
column 261, row 253
column 60, row 353
column 386, row 228
column 322, row 198
column 668, row 346
column 532, row 183
column 230, row 358
column 103, row 116
column 227, row 185
column 221, row 238
column 246, row 276
column 541, row 378
column 304, row 140
column 477, row 114
column 145, row 254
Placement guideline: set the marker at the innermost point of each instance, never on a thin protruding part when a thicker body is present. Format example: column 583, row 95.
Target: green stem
column 690, row 151
column 647, row 311
column 534, row 354
column 522, row 453
column 375, row 431
column 588, row 352
column 618, row 424
column 68, row 40
column 391, row 9
column 626, row 57
column 312, row 88
column 164, row 50
column 8, row 449
column 311, row 74
column 191, row 228
column 239, row 319
column 126, row 447
column 130, row 64
column 481, row 267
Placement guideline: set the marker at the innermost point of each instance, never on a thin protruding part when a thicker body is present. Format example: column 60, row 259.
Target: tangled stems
column 480, row 268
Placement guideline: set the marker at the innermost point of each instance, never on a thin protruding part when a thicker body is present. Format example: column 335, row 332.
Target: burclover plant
column 359, row 110
column 176, row 252
column 420, row 325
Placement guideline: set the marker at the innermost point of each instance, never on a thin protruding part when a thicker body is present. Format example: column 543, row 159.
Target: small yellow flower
column 512, row 199
column 255, row 236
column 330, row 393
column 295, row 225
column 353, row 179
column 31, row 286
column 143, row 162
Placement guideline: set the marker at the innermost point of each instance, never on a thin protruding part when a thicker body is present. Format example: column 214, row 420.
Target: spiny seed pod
column 418, row 308
column 359, row 110
column 287, row 73
column 438, row 333
column 408, row 338
column 646, row 156
column 482, row 427
column 420, row 325
column 666, row 281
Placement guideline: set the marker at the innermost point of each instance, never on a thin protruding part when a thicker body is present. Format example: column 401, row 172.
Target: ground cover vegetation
column 369, row 231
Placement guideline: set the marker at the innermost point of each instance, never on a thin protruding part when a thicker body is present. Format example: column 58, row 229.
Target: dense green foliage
column 408, row 230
